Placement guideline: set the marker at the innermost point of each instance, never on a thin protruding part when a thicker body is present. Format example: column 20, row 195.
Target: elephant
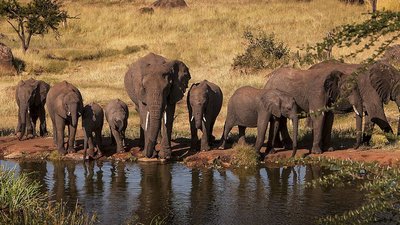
column 30, row 96
column 117, row 114
column 155, row 84
column 204, row 102
column 314, row 92
column 375, row 86
column 252, row 107
column 92, row 122
column 64, row 105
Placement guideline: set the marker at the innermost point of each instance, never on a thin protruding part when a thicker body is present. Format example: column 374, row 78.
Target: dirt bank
column 43, row 148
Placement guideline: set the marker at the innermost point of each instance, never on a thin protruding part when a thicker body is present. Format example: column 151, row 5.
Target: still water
column 120, row 192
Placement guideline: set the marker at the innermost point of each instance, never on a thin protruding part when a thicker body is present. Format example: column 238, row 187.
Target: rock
column 170, row 4
column 392, row 55
column 146, row 10
column 6, row 61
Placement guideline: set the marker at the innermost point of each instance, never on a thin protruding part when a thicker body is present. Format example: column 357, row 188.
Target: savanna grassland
column 95, row 49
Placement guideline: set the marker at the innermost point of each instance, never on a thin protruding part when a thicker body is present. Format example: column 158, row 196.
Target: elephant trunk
column 295, row 122
column 74, row 116
column 153, row 125
column 198, row 116
column 23, row 113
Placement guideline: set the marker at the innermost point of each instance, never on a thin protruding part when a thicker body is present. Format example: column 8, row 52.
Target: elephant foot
column 205, row 148
column 71, row 150
column 30, row 136
column 316, row 150
column 120, row 150
column 330, row 149
column 90, row 153
column 222, row 146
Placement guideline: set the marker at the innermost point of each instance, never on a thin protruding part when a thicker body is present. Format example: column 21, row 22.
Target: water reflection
column 121, row 192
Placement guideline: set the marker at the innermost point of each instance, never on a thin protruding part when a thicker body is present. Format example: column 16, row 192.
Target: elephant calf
column 204, row 102
column 31, row 97
column 252, row 107
column 92, row 122
column 117, row 117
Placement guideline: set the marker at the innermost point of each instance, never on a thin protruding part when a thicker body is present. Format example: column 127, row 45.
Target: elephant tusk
column 147, row 121
column 191, row 119
column 356, row 111
column 165, row 118
column 323, row 113
column 29, row 111
column 68, row 113
column 204, row 119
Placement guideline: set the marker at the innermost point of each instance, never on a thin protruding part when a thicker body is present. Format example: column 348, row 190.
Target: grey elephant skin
column 117, row 114
column 378, row 84
column 204, row 102
column 92, row 123
column 252, row 107
column 64, row 105
column 313, row 90
column 155, row 84
column 31, row 96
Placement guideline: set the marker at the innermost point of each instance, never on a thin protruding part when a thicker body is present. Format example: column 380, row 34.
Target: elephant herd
column 155, row 85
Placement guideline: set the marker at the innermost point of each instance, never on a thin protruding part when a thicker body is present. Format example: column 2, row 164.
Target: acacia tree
column 35, row 18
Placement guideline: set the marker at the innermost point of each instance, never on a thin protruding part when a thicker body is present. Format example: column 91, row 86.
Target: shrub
column 246, row 156
column 262, row 52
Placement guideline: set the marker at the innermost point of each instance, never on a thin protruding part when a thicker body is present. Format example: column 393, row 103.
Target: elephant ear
column 60, row 106
column 331, row 85
column 272, row 105
column 381, row 81
column 180, row 77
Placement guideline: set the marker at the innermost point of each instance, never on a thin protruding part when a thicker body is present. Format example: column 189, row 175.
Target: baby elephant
column 252, row 107
column 117, row 117
column 204, row 103
column 92, row 122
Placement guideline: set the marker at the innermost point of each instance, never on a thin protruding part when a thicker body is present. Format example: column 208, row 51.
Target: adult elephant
column 350, row 96
column 313, row 91
column 155, row 84
column 376, row 85
column 30, row 96
column 64, row 105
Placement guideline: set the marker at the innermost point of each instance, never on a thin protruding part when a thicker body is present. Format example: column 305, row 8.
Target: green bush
column 245, row 156
column 262, row 52
column 22, row 202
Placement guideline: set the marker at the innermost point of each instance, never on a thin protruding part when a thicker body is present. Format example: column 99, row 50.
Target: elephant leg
column 262, row 125
column 242, row 134
column 211, row 137
column 99, row 141
column 33, row 122
column 165, row 153
column 358, row 131
column 368, row 129
column 327, row 131
column 29, row 128
column 53, row 121
column 42, row 119
column 286, row 139
column 204, row 139
column 318, row 122
column 60, row 124
column 193, row 135
column 18, row 129
column 227, row 128
column 71, row 139
column 273, row 135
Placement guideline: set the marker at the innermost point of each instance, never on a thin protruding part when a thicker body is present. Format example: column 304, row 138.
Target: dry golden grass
column 206, row 36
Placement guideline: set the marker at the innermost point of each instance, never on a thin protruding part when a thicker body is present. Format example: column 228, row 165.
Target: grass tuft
column 245, row 156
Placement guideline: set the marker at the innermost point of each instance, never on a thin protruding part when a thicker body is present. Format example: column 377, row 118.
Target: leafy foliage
column 262, row 51
column 21, row 202
column 35, row 18
column 381, row 185
column 245, row 157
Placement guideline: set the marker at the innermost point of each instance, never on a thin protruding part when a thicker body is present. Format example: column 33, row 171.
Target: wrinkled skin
column 117, row 114
column 376, row 86
column 252, row 107
column 312, row 90
column 352, row 101
column 64, row 105
column 92, row 123
column 204, row 102
column 155, row 84
column 31, row 97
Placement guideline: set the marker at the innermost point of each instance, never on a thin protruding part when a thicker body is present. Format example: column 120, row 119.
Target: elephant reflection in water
column 64, row 177
column 37, row 172
column 156, row 194
column 92, row 185
column 202, row 196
